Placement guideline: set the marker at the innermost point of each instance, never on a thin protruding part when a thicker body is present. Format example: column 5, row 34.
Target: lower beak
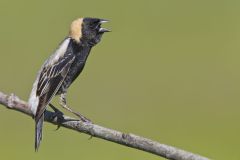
column 102, row 30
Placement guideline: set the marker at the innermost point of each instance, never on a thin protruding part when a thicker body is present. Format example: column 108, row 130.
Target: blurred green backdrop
column 169, row 71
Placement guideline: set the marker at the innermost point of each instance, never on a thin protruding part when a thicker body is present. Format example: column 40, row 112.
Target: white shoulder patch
column 60, row 51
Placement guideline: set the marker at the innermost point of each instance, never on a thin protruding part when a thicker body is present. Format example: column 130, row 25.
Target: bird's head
column 87, row 30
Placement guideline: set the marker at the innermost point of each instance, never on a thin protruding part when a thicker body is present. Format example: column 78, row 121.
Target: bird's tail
column 38, row 131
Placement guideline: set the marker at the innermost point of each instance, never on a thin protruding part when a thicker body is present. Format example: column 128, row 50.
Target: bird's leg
column 57, row 113
column 63, row 103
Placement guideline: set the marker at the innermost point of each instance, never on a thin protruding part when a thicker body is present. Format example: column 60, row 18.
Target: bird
column 61, row 69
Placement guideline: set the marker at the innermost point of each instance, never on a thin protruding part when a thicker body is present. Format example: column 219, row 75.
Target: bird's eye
column 94, row 25
column 97, row 26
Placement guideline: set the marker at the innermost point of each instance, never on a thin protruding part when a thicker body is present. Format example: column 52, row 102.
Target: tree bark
column 127, row 139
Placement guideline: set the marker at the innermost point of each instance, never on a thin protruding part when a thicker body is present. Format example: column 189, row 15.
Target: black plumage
column 80, row 52
column 62, row 68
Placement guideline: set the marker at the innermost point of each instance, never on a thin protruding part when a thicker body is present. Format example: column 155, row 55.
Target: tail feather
column 38, row 131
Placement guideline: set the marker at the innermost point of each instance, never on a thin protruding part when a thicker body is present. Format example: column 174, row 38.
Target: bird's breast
column 75, row 69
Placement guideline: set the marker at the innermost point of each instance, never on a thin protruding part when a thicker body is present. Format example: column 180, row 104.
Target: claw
column 58, row 126
column 90, row 137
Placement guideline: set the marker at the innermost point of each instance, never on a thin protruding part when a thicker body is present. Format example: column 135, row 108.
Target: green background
column 169, row 71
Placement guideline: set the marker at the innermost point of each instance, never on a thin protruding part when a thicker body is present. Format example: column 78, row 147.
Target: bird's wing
column 51, row 77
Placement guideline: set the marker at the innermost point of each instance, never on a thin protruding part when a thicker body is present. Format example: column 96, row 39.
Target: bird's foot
column 57, row 113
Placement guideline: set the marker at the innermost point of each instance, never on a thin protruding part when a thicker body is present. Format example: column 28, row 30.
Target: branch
column 130, row 140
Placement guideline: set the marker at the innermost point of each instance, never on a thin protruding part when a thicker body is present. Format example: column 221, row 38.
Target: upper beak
column 103, row 21
column 103, row 29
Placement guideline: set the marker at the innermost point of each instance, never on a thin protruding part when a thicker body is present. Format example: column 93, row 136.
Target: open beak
column 102, row 30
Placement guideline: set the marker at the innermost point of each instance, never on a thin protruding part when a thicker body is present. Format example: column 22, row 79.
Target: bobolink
column 62, row 68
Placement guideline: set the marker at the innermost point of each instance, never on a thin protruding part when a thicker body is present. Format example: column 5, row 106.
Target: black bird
column 62, row 68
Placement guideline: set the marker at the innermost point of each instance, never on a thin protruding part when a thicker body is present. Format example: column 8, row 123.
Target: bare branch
column 130, row 140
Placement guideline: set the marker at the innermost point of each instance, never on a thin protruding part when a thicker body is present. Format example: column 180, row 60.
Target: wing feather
column 50, row 80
